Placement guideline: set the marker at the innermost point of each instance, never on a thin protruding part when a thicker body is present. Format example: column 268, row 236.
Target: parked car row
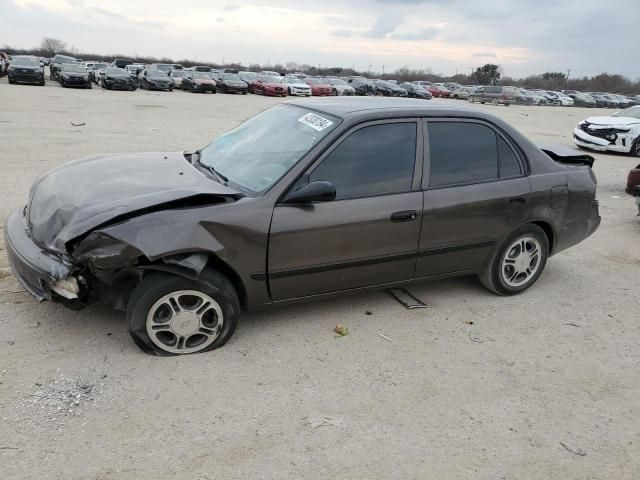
column 200, row 78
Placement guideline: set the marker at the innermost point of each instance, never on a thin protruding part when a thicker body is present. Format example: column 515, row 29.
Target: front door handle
column 517, row 201
column 404, row 216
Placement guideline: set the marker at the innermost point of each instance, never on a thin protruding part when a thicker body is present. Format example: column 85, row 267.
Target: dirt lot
column 542, row 385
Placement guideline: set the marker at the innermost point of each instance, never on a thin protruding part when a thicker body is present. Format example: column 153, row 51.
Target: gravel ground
column 542, row 385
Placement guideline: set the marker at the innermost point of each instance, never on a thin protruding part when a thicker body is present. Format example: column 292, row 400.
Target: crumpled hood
column 76, row 197
column 615, row 121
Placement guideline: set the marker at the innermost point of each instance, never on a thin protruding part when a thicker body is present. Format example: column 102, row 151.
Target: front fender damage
column 118, row 256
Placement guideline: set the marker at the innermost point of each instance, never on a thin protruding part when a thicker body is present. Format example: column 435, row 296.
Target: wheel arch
column 549, row 232
column 213, row 263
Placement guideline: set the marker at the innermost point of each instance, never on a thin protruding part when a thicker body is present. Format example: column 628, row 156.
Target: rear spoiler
column 568, row 156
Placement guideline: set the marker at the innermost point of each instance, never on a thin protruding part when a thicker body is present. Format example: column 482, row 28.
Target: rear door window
column 463, row 153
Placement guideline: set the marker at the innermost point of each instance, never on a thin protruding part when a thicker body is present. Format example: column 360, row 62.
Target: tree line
column 489, row 74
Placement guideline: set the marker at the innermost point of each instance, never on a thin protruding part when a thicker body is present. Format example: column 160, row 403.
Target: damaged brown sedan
column 307, row 199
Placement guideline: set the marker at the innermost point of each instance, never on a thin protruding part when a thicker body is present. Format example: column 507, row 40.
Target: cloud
column 344, row 33
column 385, row 24
column 424, row 34
column 484, row 54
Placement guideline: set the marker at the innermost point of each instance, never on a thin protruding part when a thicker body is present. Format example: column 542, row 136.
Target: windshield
column 71, row 67
column 338, row 82
column 231, row 76
column 268, row 79
column 25, row 62
column 63, row 59
column 313, row 81
column 116, row 72
column 164, row 68
column 98, row 66
column 249, row 74
column 255, row 155
column 629, row 112
column 177, row 73
column 292, row 80
column 202, row 75
column 156, row 74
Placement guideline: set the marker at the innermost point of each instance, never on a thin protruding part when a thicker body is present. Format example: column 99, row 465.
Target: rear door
column 476, row 192
column 368, row 235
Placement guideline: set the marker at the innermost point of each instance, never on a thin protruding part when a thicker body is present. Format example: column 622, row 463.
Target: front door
column 368, row 235
column 476, row 194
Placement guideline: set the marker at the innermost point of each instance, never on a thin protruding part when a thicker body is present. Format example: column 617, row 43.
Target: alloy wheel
column 521, row 261
column 185, row 321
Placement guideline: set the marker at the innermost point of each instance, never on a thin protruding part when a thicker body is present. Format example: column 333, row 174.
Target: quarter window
column 508, row 163
column 374, row 160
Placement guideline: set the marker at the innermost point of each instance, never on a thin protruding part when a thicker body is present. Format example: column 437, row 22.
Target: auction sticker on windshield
column 315, row 121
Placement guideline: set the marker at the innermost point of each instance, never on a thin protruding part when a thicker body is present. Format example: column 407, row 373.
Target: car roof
column 354, row 106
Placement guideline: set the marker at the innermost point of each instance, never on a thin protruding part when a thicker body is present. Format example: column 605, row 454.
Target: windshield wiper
column 196, row 158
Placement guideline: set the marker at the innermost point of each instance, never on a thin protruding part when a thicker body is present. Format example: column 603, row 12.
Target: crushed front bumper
column 583, row 139
column 35, row 269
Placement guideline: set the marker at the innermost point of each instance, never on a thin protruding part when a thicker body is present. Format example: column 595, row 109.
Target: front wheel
column 471, row 99
column 517, row 262
column 494, row 102
column 172, row 315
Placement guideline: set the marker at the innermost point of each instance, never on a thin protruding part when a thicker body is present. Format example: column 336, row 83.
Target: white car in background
column 536, row 97
column 341, row 88
column 565, row 99
column 176, row 77
column 618, row 133
column 296, row 87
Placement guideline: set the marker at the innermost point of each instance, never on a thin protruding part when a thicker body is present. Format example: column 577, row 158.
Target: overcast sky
column 523, row 36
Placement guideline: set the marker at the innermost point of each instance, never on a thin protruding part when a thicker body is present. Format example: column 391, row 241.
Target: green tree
column 488, row 74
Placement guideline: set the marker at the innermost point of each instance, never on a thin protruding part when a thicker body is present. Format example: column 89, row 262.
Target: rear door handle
column 404, row 216
column 517, row 201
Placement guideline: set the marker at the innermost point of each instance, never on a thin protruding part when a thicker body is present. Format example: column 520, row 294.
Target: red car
column 319, row 87
column 269, row 85
column 438, row 91
column 633, row 180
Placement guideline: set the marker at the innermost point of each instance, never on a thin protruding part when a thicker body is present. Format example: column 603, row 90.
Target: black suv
column 26, row 70
column 493, row 95
column 56, row 65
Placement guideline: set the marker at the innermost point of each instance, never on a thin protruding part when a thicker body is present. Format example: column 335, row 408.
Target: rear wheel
column 172, row 315
column 494, row 102
column 471, row 99
column 517, row 262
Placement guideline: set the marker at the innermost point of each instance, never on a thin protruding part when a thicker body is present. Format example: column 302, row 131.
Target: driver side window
column 373, row 160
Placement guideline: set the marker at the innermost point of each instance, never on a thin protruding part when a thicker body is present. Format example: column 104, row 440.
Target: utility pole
column 370, row 70
column 382, row 69
column 566, row 80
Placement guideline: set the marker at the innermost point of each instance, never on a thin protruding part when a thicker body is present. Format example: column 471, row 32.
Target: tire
column 151, row 299
column 455, row 97
column 334, row 92
column 12, row 82
column 289, row 91
column 495, row 275
column 635, row 148
column 494, row 102
column 89, row 86
column 471, row 99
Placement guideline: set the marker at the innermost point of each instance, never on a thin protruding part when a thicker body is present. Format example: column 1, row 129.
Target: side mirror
column 318, row 191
